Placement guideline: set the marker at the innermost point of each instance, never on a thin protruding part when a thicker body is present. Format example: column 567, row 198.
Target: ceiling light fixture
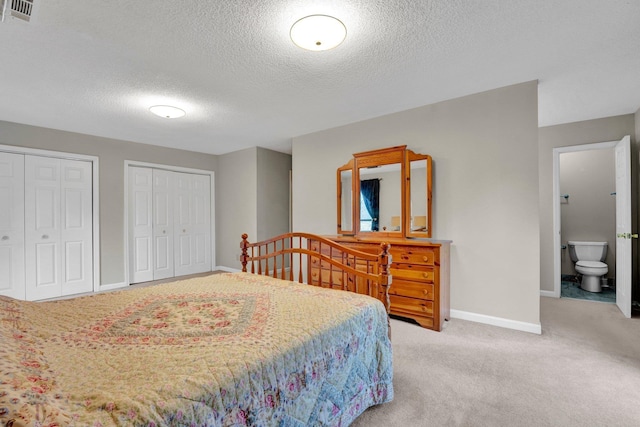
column 167, row 111
column 318, row 32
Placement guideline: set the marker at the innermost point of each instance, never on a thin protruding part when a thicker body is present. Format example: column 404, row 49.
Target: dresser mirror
column 380, row 204
column 418, row 195
column 345, row 199
column 386, row 191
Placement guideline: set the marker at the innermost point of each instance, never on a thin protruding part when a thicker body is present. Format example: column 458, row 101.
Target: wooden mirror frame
column 386, row 156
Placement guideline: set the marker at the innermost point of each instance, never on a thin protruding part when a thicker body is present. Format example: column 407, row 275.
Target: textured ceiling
column 95, row 66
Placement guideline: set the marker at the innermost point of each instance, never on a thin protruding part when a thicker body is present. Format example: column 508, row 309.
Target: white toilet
column 589, row 257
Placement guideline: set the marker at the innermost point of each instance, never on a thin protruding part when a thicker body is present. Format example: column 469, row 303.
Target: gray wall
column 112, row 154
column 589, row 214
column 485, row 178
column 252, row 196
column 273, row 193
column 550, row 137
column 236, row 204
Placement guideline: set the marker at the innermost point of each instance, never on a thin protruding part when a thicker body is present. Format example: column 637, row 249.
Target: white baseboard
column 498, row 321
column 235, row 270
column 550, row 294
column 112, row 286
column 227, row 269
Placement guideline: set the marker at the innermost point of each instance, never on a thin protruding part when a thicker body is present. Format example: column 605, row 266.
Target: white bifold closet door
column 12, row 225
column 140, row 224
column 170, row 223
column 58, row 227
column 163, row 240
column 46, row 226
column 192, row 213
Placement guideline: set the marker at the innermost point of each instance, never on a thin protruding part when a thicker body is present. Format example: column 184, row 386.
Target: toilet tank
column 587, row 251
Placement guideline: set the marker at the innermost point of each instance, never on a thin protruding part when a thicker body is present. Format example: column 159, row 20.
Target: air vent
column 20, row 9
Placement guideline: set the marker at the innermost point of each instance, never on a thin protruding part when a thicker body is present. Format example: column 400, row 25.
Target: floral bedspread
column 224, row 350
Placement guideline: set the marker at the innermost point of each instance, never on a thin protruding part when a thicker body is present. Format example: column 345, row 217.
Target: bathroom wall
column 589, row 214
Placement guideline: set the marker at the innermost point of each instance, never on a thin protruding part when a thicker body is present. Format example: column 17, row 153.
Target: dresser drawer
column 413, row 255
column 411, row 289
column 421, row 273
column 326, row 277
column 411, row 306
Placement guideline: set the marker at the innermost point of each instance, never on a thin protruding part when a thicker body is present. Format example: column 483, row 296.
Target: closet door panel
column 193, row 223
column 76, row 226
column 183, row 223
column 201, row 223
column 163, row 224
column 12, row 268
column 140, row 224
column 43, row 276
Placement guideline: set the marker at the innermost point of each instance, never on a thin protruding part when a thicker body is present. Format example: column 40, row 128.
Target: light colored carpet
column 584, row 370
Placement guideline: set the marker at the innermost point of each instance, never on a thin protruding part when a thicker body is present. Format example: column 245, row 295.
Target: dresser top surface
column 391, row 240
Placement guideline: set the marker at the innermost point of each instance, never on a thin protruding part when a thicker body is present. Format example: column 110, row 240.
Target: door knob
column 627, row 236
column 5, row 237
column 45, row 236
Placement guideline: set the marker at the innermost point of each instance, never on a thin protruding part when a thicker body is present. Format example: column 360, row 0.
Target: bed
column 221, row 350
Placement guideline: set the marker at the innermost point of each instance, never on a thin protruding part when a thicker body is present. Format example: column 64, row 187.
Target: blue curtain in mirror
column 370, row 191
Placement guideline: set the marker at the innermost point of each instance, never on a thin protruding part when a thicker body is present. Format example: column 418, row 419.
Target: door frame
column 557, row 249
column 127, row 164
column 95, row 184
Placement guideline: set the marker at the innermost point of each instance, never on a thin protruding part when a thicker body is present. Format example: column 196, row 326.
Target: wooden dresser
column 420, row 276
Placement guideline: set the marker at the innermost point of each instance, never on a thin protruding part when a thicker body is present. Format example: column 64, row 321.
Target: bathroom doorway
column 592, row 203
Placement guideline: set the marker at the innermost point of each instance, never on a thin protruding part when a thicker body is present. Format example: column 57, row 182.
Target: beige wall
column 236, row 204
column 273, row 170
column 637, row 123
column 586, row 132
column 252, row 195
column 485, row 179
column 589, row 213
column 112, row 154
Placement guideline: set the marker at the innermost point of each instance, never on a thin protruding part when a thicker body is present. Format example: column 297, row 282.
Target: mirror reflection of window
column 365, row 218
column 370, row 198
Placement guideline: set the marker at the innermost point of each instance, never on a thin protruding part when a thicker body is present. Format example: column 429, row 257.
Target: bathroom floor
column 571, row 289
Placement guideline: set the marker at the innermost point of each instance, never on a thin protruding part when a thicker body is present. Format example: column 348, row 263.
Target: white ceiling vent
column 20, row 9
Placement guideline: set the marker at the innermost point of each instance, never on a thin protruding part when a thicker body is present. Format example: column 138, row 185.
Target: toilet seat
column 591, row 264
column 592, row 268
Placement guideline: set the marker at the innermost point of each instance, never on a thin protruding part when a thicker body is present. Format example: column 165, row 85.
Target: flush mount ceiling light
column 318, row 32
column 167, row 111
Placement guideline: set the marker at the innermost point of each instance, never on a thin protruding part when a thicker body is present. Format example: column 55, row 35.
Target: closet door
column 201, row 222
column 76, row 222
column 162, row 224
column 192, row 210
column 140, row 224
column 58, row 227
column 12, row 225
column 42, row 228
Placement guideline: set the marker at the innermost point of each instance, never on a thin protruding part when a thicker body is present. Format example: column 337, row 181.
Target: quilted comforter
column 223, row 350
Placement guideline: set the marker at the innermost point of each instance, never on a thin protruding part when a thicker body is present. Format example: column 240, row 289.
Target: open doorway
column 588, row 222
column 618, row 237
